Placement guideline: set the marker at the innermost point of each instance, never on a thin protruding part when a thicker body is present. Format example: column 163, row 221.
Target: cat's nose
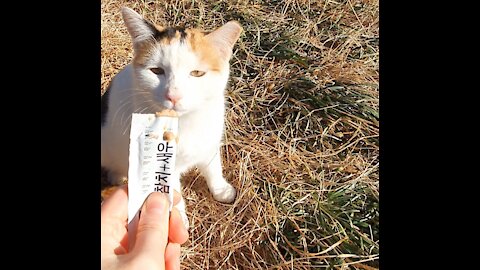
column 173, row 97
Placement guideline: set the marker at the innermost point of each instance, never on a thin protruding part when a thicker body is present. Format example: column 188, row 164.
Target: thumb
column 152, row 230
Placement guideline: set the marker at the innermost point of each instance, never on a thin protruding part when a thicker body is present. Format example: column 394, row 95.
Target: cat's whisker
column 120, row 108
column 126, row 123
column 127, row 100
column 144, row 109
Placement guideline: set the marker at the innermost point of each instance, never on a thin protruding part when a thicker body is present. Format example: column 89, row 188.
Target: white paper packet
column 153, row 146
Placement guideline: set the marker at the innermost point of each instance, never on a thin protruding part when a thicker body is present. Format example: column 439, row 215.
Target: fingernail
column 157, row 203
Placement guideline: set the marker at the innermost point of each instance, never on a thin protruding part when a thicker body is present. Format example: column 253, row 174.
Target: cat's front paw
column 225, row 194
column 186, row 223
column 181, row 209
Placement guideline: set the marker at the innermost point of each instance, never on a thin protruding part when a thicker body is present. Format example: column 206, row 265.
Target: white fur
column 136, row 89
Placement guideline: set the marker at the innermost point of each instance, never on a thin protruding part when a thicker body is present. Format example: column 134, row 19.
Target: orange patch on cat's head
column 203, row 48
column 168, row 35
column 215, row 48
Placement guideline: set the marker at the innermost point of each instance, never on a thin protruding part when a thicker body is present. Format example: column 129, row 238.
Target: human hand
column 158, row 238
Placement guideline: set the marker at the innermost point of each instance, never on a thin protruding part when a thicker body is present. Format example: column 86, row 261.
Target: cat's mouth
column 170, row 106
column 180, row 111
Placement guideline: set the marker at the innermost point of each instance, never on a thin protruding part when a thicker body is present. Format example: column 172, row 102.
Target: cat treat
column 153, row 146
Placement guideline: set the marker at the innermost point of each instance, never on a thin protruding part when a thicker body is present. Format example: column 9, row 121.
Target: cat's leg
column 176, row 185
column 221, row 190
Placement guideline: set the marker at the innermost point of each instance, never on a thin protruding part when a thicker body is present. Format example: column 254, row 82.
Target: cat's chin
column 179, row 111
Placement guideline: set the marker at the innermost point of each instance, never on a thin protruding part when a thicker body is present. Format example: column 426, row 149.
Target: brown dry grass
column 301, row 139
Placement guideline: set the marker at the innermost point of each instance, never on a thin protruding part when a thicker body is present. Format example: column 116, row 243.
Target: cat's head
column 180, row 69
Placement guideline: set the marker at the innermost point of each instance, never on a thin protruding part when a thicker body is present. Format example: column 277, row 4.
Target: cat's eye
column 197, row 73
column 158, row 71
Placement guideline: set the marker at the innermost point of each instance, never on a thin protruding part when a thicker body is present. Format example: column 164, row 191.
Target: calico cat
column 173, row 68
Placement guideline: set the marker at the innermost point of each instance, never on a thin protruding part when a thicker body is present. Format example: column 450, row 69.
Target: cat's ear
column 225, row 37
column 138, row 28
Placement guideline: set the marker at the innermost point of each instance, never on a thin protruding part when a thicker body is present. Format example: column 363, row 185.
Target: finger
column 113, row 222
column 172, row 257
column 176, row 197
column 152, row 230
column 177, row 232
column 116, row 205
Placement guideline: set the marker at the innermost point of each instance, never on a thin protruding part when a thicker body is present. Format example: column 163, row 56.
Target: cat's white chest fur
column 199, row 138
